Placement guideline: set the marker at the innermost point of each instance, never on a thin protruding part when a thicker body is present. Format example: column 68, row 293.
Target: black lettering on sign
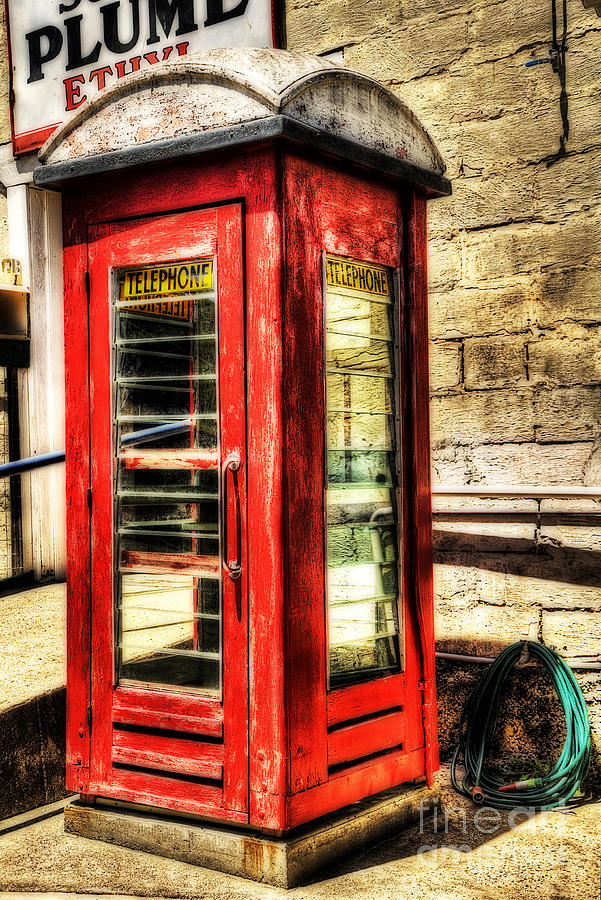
column 165, row 12
column 217, row 14
column 75, row 57
column 112, row 40
column 44, row 44
column 357, row 276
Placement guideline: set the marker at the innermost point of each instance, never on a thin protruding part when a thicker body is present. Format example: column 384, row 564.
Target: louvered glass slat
column 168, row 590
column 362, row 494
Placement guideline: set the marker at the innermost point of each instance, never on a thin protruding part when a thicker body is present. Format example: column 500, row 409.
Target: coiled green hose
column 478, row 726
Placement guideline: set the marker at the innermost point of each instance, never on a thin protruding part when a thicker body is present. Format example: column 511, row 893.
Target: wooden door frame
column 200, row 232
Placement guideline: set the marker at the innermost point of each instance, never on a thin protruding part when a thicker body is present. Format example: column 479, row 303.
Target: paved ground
column 550, row 856
column 32, row 637
column 486, row 857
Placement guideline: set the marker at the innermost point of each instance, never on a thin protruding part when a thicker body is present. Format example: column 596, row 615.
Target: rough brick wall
column 515, row 311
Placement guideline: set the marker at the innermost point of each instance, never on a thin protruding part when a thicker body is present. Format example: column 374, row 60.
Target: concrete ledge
column 282, row 862
column 32, row 753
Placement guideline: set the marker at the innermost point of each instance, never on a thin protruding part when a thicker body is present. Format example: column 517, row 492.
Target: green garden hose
column 478, row 726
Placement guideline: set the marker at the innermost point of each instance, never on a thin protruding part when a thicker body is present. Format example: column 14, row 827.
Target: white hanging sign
column 62, row 53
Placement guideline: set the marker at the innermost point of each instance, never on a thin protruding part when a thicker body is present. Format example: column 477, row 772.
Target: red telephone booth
column 250, row 622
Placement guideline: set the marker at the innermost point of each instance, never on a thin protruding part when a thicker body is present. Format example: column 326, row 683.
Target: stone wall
column 515, row 311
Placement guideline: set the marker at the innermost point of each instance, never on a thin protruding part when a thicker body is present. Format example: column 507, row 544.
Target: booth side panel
column 267, row 724
column 417, row 289
column 339, row 212
column 304, row 456
column 77, row 431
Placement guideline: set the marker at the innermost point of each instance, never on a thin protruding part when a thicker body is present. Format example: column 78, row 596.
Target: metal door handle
column 232, row 566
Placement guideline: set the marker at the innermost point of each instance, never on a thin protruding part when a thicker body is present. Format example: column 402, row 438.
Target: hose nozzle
column 522, row 785
column 477, row 794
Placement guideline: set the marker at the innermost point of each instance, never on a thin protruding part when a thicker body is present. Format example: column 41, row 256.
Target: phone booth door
column 168, row 514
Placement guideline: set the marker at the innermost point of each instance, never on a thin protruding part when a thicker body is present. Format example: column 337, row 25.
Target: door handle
column 231, row 566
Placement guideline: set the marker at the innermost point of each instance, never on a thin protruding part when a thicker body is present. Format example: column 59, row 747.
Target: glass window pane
column 168, row 607
column 362, row 493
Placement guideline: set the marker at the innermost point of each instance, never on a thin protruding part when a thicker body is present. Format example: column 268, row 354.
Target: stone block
column 570, row 294
column 568, row 414
column 471, row 206
column 573, row 633
column 526, row 463
column 444, row 265
column 581, row 531
column 445, row 364
column 470, row 584
column 530, row 247
column 473, row 532
column 482, row 629
column 472, row 507
column 474, row 418
column 494, row 362
column 284, row 862
column 510, row 306
column 319, row 27
column 569, row 356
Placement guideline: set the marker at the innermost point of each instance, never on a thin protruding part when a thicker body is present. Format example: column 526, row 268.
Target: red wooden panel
column 176, row 236
column 304, row 452
column 119, row 196
column 369, row 697
column 232, row 409
column 101, row 453
column 167, row 752
column 417, row 289
column 360, row 194
column 169, row 710
column 168, row 793
column 354, row 784
column 267, row 761
column 171, row 563
column 77, row 447
column 170, row 459
column 365, row 738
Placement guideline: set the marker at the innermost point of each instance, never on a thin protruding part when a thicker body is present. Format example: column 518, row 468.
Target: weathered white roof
column 224, row 88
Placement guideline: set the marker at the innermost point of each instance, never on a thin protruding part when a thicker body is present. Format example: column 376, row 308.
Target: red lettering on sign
column 101, row 74
column 72, row 92
column 73, row 95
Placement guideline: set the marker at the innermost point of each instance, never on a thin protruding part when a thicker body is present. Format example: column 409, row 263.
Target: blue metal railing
column 7, row 470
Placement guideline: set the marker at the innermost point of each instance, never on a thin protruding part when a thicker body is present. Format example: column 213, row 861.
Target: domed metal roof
column 224, row 97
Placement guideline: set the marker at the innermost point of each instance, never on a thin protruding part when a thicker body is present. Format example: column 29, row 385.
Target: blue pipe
column 149, row 434
column 7, row 470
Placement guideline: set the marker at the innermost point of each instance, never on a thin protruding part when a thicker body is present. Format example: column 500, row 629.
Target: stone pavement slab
column 32, row 637
column 476, row 853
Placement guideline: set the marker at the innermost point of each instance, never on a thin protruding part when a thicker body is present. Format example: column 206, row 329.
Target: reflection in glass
column 362, row 495
column 168, row 617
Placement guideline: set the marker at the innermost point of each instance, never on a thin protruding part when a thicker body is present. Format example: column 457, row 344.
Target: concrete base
column 284, row 862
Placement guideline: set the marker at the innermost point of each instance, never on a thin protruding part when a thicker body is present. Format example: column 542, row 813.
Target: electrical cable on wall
column 557, row 58
column 559, row 66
